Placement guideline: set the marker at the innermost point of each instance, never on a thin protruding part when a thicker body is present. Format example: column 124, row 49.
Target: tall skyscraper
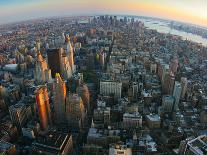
column 69, row 52
column 184, row 84
column 41, row 72
column 66, row 69
column 168, row 84
column 174, row 65
column 176, row 94
column 55, row 60
column 59, row 98
column 43, row 106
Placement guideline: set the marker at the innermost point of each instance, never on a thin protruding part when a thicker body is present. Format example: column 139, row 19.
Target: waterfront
column 163, row 27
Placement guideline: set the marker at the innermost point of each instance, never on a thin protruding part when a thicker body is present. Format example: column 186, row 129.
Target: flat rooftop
column 153, row 117
column 53, row 140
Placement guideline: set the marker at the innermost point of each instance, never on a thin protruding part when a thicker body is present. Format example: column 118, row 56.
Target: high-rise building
column 168, row 103
column 75, row 111
column 168, row 85
column 176, row 94
column 54, row 57
column 69, row 52
column 174, row 65
column 184, row 84
column 59, row 98
column 41, row 73
column 43, row 107
column 111, row 87
column 66, row 69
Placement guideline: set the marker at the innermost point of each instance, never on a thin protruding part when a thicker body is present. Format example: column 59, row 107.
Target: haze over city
column 191, row 11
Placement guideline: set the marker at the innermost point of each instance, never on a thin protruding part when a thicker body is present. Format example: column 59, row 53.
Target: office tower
column 59, row 89
column 43, row 107
column 125, row 19
column 54, row 57
column 111, row 87
column 102, row 56
column 83, row 92
column 168, row 103
column 53, row 143
column 66, row 69
column 184, row 84
column 174, row 65
column 165, row 71
column 75, row 111
column 41, row 73
column 18, row 115
column 168, row 85
column 176, row 94
column 69, row 53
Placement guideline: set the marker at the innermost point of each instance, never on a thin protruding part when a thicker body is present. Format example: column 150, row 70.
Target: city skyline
column 189, row 11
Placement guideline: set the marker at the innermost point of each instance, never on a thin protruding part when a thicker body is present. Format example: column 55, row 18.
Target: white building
column 111, row 87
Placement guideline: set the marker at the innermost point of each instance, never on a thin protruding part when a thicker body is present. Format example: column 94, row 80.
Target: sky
column 190, row 11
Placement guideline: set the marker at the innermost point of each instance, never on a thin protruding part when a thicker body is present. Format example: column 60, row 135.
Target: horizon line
column 102, row 14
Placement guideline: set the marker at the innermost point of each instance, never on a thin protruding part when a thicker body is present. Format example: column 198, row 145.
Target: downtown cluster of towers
column 58, row 68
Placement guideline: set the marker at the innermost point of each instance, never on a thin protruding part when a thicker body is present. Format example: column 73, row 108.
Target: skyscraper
column 184, row 83
column 41, row 72
column 55, row 60
column 176, row 94
column 75, row 111
column 43, row 106
column 66, row 69
column 59, row 98
column 69, row 53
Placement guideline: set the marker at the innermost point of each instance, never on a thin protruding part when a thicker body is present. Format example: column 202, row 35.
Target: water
column 162, row 27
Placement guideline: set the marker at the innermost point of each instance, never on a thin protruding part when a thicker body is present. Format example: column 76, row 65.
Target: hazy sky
column 192, row 11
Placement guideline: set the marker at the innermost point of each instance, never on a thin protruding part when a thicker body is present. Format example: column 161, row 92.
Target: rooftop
column 53, row 140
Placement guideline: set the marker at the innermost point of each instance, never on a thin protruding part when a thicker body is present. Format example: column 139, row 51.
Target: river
column 163, row 27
